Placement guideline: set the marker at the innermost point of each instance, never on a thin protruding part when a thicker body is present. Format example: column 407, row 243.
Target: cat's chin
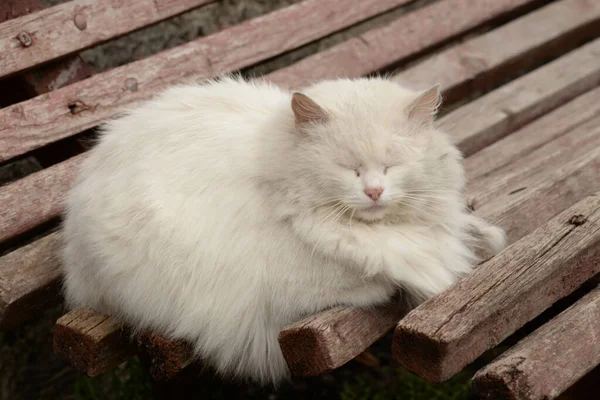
column 371, row 214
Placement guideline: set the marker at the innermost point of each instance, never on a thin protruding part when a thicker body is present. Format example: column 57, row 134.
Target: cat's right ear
column 306, row 111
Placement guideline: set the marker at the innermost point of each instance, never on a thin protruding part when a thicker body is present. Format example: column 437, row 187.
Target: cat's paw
column 494, row 237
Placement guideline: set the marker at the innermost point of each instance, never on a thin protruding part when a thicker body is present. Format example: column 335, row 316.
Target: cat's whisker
column 421, row 207
column 351, row 216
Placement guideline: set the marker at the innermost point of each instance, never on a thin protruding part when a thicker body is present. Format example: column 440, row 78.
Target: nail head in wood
column 77, row 106
column 24, row 39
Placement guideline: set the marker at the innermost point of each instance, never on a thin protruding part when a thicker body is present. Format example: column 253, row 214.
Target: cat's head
column 368, row 149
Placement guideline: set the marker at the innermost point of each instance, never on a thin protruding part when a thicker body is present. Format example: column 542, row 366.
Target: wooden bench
column 522, row 98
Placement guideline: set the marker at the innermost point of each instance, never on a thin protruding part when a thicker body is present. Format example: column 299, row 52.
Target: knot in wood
column 578, row 219
column 131, row 84
column 24, row 39
column 80, row 21
column 77, row 106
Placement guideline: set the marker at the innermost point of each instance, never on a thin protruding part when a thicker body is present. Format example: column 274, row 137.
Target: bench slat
column 29, row 281
column 460, row 69
column 539, row 196
column 91, row 342
column 569, row 146
column 72, row 109
column 487, row 119
column 477, row 63
column 76, row 25
column 408, row 35
column 446, row 333
column 35, row 199
column 550, row 360
column 327, row 340
column 538, row 133
column 580, row 175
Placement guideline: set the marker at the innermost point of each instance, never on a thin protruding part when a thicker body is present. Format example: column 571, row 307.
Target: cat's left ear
column 423, row 109
column 306, row 111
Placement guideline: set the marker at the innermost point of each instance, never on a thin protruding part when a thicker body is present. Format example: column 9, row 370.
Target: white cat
column 221, row 212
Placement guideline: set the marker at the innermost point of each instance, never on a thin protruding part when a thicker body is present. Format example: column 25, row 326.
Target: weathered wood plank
column 76, row 25
column 29, row 281
column 329, row 339
column 487, row 57
column 35, row 199
column 91, row 342
column 517, row 174
column 487, row 119
column 413, row 33
column 550, row 360
column 448, row 332
column 166, row 358
column 536, row 197
column 94, row 343
column 64, row 112
column 532, row 136
column 480, row 62
column 49, row 77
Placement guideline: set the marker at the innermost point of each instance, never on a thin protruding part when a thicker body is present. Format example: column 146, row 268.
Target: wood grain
column 373, row 51
column 72, row 109
column 479, row 63
column 329, row 339
column 412, row 33
column 76, row 25
column 165, row 357
column 537, row 197
column 536, row 134
column 94, row 343
column 49, row 77
column 35, row 199
column 515, row 177
column 487, row 119
column 91, row 342
column 449, row 331
column 29, row 281
column 550, row 360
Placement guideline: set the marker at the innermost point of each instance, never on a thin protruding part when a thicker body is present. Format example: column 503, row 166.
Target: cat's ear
column 423, row 109
column 306, row 111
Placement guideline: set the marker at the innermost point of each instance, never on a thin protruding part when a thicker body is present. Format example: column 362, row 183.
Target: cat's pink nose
column 374, row 192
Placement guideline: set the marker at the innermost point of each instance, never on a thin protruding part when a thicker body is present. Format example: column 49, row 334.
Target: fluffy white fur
column 218, row 214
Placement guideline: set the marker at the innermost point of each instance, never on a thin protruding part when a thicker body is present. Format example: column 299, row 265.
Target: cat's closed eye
column 353, row 168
